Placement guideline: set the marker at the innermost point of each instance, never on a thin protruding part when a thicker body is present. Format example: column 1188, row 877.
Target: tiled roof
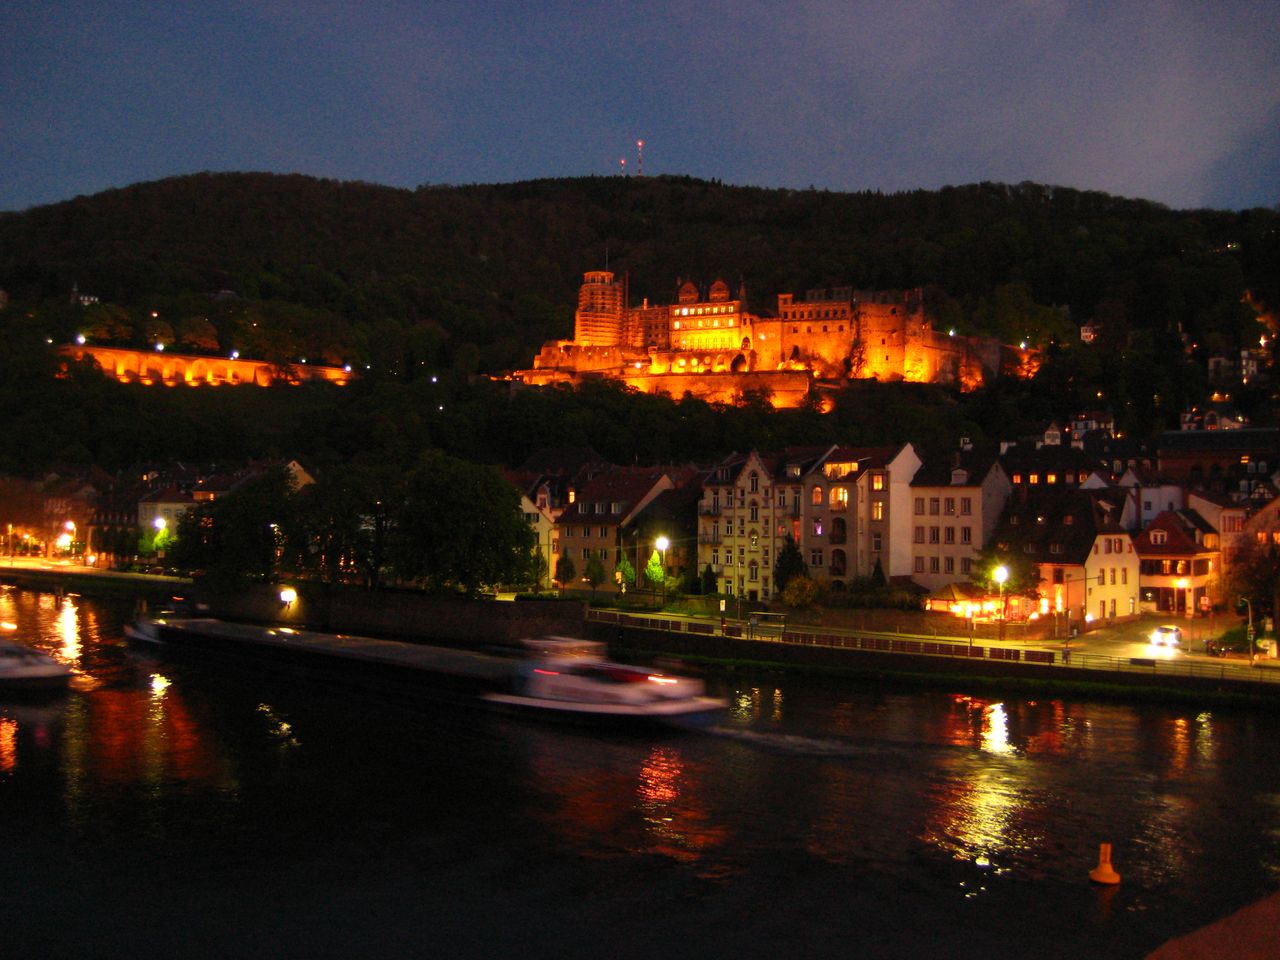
column 1071, row 520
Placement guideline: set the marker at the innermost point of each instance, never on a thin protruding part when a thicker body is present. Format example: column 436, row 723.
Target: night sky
column 1177, row 102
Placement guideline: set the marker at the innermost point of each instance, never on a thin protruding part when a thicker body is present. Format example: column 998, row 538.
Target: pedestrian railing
column 958, row 648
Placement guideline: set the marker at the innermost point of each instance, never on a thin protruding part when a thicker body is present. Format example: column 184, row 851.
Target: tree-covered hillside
column 429, row 286
column 477, row 277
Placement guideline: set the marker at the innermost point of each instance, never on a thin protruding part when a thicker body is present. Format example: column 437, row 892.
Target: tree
column 801, row 592
column 197, row 333
column 242, row 535
column 566, row 572
column 790, row 563
column 626, row 572
column 460, row 527
column 653, row 571
column 538, row 570
column 1023, row 574
column 1255, row 576
column 594, row 573
column 708, row 580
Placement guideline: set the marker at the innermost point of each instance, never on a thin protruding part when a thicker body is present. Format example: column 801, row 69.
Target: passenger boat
column 572, row 679
column 22, row 668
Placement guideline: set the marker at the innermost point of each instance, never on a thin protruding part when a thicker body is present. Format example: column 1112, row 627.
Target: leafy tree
column 653, row 572
column 460, row 527
column 1023, row 574
column 626, row 572
column 197, row 333
column 106, row 322
column 708, row 580
column 800, row 592
column 240, row 536
column 566, row 572
column 157, row 331
column 790, row 563
column 1255, row 576
column 878, row 579
column 538, row 568
column 594, row 573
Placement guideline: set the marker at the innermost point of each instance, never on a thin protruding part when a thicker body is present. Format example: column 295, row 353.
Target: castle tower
column 598, row 321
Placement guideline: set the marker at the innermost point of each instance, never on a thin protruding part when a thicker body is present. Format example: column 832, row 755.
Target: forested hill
column 477, row 277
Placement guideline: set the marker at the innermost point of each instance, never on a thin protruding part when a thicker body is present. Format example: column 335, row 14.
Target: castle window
column 816, row 498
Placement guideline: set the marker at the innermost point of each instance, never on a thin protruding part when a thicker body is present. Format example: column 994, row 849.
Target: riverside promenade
column 831, row 648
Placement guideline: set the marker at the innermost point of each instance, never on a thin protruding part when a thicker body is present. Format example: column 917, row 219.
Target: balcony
column 709, row 509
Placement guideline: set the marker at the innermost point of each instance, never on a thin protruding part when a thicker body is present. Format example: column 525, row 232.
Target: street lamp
column 1000, row 574
column 662, row 543
column 160, row 523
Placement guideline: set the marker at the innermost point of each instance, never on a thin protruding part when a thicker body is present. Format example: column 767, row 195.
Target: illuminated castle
column 710, row 346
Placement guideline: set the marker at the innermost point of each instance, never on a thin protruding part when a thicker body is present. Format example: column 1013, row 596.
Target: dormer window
column 1158, row 538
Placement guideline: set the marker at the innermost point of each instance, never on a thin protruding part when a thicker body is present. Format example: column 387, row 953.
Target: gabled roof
column 1021, row 458
column 561, row 461
column 624, row 485
column 1179, row 532
column 1070, row 520
column 976, row 462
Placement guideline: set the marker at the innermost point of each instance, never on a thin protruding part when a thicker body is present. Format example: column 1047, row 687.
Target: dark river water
column 170, row 807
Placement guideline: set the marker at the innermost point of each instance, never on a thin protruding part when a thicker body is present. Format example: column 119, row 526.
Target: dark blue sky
column 1177, row 102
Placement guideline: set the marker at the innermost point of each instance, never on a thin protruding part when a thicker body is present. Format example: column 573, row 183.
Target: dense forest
column 423, row 289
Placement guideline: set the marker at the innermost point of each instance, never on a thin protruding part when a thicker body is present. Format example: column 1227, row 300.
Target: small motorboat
column 22, row 668
column 145, row 629
column 568, row 678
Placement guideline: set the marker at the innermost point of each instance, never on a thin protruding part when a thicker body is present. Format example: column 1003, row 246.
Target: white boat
column 22, row 668
column 568, row 678
column 145, row 629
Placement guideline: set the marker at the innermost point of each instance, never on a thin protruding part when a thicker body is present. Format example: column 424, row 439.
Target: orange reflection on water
column 69, row 630
column 608, row 804
column 122, row 736
column 8, row 744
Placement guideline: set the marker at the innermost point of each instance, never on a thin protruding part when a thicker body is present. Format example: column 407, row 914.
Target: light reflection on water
column 809, row 800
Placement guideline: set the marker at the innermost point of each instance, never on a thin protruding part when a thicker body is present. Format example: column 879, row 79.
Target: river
column 201, row 808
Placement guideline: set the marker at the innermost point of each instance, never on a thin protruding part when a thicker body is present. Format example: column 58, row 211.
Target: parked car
column 1167, row 635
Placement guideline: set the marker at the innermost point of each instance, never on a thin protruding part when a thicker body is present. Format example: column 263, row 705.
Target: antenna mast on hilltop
column 623, row 164
column 639, row 158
